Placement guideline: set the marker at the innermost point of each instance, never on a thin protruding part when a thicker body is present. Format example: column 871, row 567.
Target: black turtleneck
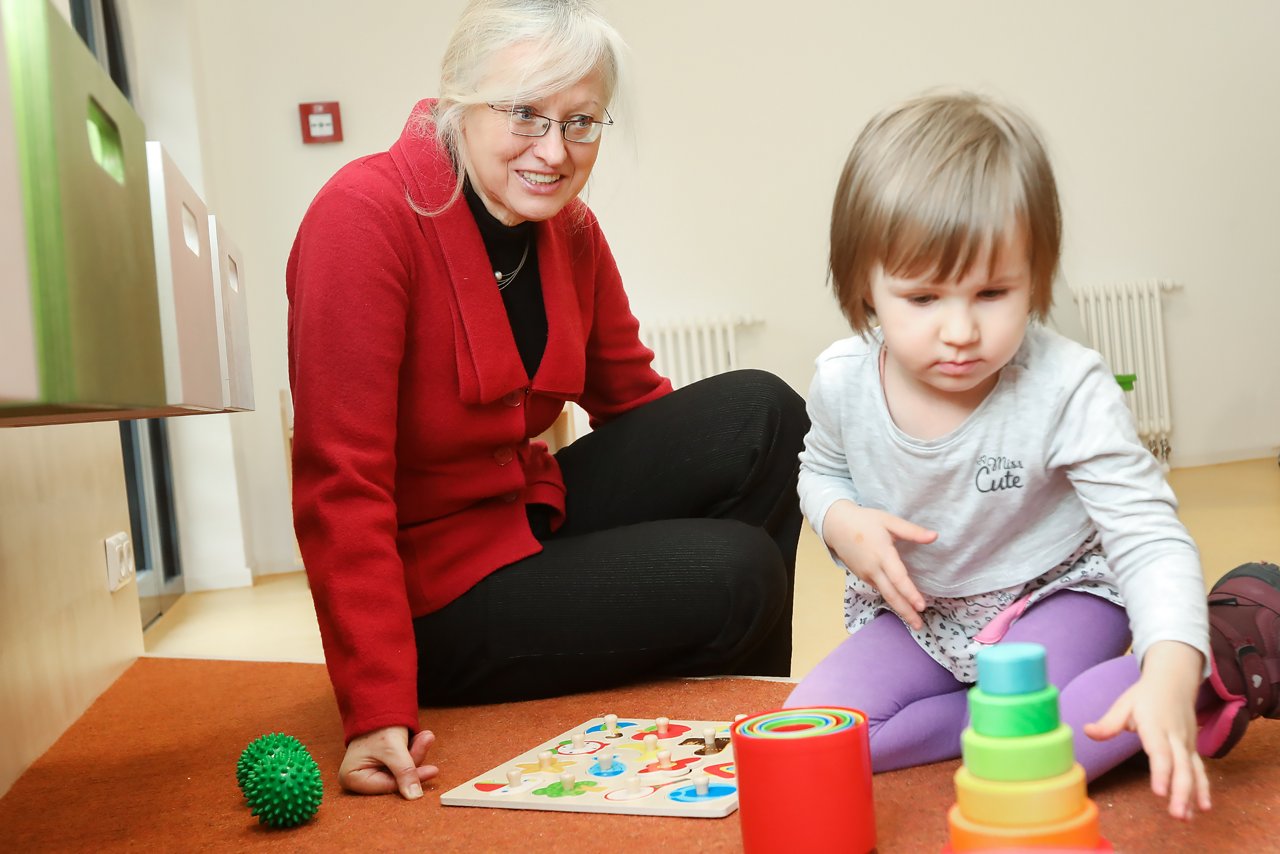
column 523, row 297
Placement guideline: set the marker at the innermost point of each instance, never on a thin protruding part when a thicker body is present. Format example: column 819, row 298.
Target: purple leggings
column 916, row 709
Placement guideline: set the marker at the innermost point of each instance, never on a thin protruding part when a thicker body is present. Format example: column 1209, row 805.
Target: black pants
column 677, row 557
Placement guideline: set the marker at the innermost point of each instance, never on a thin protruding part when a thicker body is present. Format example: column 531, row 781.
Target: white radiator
column 1125, row 323
column 684, row 351
column 690, row 350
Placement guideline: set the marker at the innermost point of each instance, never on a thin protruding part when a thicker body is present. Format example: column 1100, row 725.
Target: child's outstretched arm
column 864, row 539
column 1160, row 708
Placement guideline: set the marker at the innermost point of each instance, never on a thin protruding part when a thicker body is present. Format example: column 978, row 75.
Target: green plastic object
column 284, row 789
column 1013, row 715
column 259, row 749
column 1126, row 381
column 1029, row 757
column 79, row 156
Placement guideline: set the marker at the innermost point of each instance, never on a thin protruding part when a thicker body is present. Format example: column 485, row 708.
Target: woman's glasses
column 523, row 121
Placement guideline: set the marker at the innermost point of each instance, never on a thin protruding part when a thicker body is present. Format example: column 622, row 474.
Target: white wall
column 1160, row 115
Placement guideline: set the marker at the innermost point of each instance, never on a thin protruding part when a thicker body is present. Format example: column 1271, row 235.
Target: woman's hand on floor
column 385, row 761
column 1160, row 708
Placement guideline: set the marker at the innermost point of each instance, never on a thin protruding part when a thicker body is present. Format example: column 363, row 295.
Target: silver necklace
column 505, row 279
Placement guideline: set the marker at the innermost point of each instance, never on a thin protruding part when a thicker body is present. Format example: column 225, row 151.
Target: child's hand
column 1160, row 708
column 863, row 539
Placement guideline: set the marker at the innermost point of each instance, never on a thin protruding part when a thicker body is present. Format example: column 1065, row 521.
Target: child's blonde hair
column 933, row 182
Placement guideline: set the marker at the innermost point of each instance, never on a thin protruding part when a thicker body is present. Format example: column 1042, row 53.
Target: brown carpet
column 151, row 766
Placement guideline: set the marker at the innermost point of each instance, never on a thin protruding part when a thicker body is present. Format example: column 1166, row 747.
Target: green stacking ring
column 1010, row 715
column 1027, row 757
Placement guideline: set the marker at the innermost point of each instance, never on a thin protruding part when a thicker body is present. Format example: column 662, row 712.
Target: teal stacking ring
column 1011, row 668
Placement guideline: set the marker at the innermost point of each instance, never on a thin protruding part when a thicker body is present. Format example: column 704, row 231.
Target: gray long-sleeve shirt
column 1050, row 457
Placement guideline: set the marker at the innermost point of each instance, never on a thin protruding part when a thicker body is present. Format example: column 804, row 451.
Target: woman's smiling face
column 523, row 178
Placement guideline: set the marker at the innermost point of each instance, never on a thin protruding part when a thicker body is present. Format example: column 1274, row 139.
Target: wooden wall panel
column 63, row 637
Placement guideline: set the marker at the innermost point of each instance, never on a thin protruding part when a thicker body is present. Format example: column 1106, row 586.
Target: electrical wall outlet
column 120, row 568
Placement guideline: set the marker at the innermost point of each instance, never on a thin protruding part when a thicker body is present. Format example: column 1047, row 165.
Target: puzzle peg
column 663, row 725
column 633, row 785
column 606, row 760
column 579, row 739
column 709, row 738
column 544, row 760
column 664, row 760
column 567, row 781
column 611, row 725
column 650, row 743
column 514, row 778
column 701, row 784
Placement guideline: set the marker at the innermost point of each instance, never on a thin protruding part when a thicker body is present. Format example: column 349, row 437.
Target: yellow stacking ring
column 1022, row 804
column 1028, row 757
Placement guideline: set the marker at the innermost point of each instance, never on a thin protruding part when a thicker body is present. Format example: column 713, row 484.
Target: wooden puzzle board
column 699, row 779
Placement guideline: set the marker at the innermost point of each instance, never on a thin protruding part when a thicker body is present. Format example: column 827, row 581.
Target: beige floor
column 1232, row 510
column 271, row 621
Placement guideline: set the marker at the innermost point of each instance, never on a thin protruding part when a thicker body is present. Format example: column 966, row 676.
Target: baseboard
column 1187, row 461
column 279, row 568
column 223, row 579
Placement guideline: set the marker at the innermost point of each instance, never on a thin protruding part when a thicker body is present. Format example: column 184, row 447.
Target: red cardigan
column 412, row 462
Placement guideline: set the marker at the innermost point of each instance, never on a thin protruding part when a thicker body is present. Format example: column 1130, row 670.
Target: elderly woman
column 446, row 298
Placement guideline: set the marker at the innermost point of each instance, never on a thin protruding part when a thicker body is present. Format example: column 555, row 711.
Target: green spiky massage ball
column 260, row 748
column 284, row 790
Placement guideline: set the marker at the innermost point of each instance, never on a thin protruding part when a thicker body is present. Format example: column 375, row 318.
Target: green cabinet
column 120, row 295
column 78, row 271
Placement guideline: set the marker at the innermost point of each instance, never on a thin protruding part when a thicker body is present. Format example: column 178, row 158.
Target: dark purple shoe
column 1244, row 636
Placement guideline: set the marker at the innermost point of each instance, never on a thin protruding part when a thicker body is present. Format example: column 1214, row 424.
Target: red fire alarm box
column 321, row 121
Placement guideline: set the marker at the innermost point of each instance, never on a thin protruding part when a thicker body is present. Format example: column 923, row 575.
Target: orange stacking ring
column 1102, row 846
column 1022, row 804
column 1079, row 831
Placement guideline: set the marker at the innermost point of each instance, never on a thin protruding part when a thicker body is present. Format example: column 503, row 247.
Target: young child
column 979, row 476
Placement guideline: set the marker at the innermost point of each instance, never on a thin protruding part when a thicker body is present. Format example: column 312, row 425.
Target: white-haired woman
column 446, row 298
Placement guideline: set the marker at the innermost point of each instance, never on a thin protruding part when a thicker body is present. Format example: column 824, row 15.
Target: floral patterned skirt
column 956, row 628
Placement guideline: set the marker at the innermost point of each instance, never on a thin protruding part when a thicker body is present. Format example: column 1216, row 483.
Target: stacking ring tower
column 1019, row 786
